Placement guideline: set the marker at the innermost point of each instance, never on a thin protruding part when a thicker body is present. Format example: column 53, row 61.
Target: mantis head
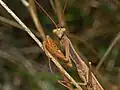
column 59, row 32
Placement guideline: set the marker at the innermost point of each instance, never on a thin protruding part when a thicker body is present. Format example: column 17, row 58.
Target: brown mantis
column 71, row 54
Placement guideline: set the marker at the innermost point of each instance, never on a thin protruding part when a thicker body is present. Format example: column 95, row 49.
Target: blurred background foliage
column 93, row 24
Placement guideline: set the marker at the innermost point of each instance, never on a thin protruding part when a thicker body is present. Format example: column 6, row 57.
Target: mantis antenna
column 48, row 14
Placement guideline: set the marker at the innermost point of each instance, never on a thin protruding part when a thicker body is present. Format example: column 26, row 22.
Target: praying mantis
column 50, row 45
column 71, row 55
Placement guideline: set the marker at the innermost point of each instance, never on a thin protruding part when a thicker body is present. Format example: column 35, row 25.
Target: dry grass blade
column 10, row 22
column 33, row 13
column 32, row 9
column 108, row 51
column 15, row 24
column 53, row 6
column 21, row 23
column 59, row 13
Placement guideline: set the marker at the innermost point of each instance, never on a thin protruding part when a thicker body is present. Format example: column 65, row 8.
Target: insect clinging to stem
column 51, row 46
column 82, row 68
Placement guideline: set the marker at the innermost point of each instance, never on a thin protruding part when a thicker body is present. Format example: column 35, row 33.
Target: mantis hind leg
column 50, row 66
column 63, row 83
column 45, row 50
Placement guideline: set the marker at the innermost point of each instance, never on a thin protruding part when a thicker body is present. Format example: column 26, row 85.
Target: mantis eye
column 59, row 30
